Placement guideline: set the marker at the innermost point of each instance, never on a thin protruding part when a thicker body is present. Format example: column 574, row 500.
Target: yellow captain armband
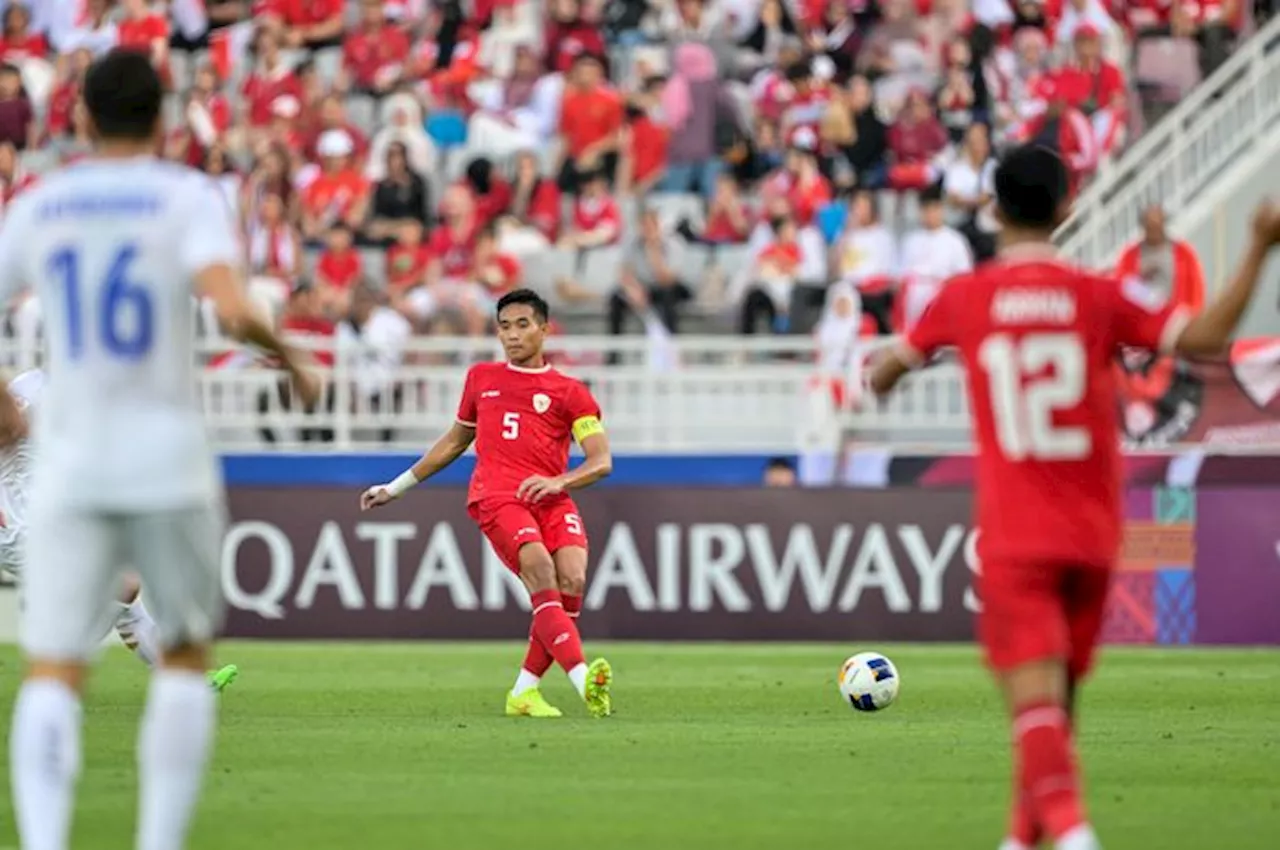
column 587, row 426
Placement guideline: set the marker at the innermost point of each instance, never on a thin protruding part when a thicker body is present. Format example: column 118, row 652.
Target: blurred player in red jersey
column 1038, row 337
column 522, row 415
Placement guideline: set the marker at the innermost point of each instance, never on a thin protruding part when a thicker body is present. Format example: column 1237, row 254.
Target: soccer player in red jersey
column 522, row 415
column 1038, row 337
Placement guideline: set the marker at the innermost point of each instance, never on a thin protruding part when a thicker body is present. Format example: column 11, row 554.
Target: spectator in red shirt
column 66, row 93
column 535, row 200
column 800, row 181
column 1096, row 88
column 915, row 140
column 568, row 36
column 306, row 317
column 591, row 118
column 497, row 272
column 777, row 266
column 270, row 79
column 643, row 163
column 17, row 117
column 373, row 56
column 1064, row 130
column 331, row 115
column 18, row 42
column 314, row 24
column 489, row 192
column 340, row 194
column 142, row 30
column 597, row 221
column 728, row 219
column 337, row 271
column 407, row 262
column 453, row 243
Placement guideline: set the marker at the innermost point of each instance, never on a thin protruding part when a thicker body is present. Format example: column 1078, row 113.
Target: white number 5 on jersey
column 1023, row 406
column 511, row 426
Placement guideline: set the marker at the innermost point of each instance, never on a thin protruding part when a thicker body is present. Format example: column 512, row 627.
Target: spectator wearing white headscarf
column 401, row 122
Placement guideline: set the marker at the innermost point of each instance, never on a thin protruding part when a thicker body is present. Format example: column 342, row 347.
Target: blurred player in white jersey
column 114, row 248
column 132, row 621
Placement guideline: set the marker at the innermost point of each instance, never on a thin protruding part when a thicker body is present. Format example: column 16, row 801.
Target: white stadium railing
column 1177, row 161
column 697, row 394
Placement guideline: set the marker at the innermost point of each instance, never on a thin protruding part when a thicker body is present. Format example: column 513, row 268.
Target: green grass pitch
column 403, row 747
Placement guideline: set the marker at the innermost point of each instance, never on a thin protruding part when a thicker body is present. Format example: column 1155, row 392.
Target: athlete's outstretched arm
column 13, row 423
column 887, row 369
column 1209, row 332
column 445, row 451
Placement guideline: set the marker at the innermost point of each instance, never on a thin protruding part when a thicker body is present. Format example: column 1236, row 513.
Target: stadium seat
column 362, row 111
column 374, row 263
column 731, row 259
column 447, row 129
column 831, row 221
column 674, row 207
column 601, row 268
column 541, row 271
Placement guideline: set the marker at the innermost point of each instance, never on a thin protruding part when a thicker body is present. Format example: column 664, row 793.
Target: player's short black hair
column 932, row 195
column 525, row 296
column 780, row 462
column 1031, row 187
column 123, row 94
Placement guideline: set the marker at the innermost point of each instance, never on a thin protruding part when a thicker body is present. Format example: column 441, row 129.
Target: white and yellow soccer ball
column 869, row 681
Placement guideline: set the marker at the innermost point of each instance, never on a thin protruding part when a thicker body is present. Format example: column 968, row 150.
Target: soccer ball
column 869, row 681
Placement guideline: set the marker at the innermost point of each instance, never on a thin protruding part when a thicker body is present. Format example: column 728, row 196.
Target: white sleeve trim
column 1173, row 328
column 464, row 423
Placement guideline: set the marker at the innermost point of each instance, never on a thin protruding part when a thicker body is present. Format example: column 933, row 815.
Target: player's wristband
column 403, row 482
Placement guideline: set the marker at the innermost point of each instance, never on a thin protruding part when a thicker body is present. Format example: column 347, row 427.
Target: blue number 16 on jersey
column 121, row 299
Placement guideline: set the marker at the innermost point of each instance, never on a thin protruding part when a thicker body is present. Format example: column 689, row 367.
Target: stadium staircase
column 1215, row 141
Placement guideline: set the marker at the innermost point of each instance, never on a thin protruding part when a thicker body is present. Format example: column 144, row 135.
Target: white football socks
column 1081, row 837
column 44, row 762
column 138, row 631
column 524, row 681
column 1013, row 844
column 578, row 675
column 173, row 750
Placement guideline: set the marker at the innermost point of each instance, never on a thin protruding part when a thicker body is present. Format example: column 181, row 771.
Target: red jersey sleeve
column 935, row 329
column 1142, row 318
column 467, row 404
column 581, row 412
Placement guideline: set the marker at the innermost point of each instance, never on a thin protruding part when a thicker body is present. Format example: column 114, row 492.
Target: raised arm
column 1208, row 332
column 13, row 423
column 445, row 451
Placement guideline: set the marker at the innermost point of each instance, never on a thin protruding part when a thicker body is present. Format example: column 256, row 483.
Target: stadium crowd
column 765, row 165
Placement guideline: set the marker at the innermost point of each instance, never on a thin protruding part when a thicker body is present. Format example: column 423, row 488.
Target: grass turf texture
column 742, row 746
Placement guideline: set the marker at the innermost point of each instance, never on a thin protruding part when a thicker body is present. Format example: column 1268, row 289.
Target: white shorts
column 74, row 562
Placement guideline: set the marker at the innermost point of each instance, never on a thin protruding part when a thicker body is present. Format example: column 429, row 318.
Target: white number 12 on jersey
column 1023, row 406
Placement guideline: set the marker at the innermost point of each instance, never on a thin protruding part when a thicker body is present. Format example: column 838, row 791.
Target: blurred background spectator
column 719, row 165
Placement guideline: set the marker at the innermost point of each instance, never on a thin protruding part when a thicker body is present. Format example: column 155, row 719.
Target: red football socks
column 1047, row 773
column 537, row 660
column 1022, row 821
column 556, row 630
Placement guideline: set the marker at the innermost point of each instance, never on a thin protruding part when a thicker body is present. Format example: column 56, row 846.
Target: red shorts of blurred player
column 509, row 525
column 1037, row 611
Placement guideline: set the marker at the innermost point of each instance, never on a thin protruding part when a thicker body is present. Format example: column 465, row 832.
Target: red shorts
column 510, row 525
column 1037, row 611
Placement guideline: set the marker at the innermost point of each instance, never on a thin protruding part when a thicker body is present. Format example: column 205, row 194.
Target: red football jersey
column 524, row 421
column 1038, row 339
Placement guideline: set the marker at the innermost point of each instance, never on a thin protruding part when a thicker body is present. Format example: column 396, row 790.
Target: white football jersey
column 15, row 465
column 111, row 249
